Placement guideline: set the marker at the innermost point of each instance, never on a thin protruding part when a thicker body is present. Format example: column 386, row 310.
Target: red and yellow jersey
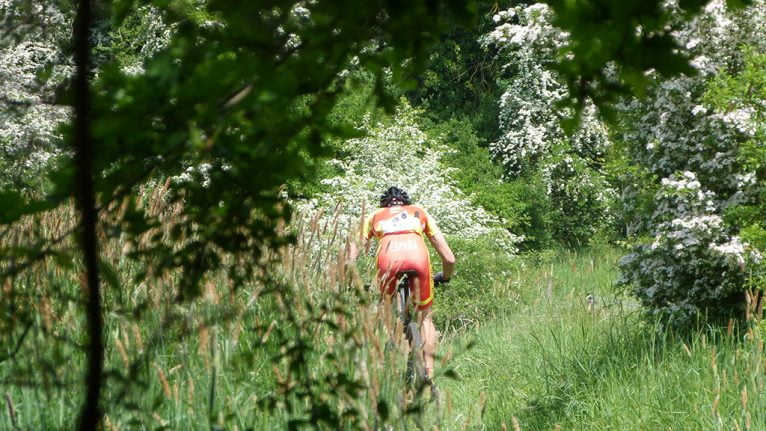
column 400, row 231
column 398, row 220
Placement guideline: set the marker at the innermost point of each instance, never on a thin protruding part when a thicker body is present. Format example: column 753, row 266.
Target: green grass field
column 556, row 364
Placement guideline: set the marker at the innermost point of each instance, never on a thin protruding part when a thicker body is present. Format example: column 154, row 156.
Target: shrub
column 580, row 199
column 534, row 144
column 692, row 266
column 690, row 137
column 397, row 152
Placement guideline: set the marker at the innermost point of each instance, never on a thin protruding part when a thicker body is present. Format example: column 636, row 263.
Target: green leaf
column 383, row 411
column 109, row 274
column 121, row 10
column 738, row 4
column 12, row 206
column 451, row 374
column 64, row 260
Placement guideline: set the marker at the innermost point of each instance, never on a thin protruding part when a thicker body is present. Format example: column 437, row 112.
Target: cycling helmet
column 394, row 196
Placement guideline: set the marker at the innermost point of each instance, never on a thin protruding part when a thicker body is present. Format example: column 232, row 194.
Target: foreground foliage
column 305, row 346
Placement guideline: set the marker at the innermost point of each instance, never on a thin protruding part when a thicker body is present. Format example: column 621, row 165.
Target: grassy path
column 553, row 363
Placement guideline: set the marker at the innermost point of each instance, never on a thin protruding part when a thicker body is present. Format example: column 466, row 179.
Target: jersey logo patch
column 400, row 222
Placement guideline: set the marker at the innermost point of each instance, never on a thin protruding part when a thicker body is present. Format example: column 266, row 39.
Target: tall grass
column 303, row 344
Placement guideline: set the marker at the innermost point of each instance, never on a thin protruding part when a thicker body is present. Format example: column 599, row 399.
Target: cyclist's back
column 401, row 247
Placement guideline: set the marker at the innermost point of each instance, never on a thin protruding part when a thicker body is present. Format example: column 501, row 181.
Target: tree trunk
column 90, row 413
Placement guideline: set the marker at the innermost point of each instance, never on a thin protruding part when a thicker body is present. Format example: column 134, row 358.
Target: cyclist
column 399, row 227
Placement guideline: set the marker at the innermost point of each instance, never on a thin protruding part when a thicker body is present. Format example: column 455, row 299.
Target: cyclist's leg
column 424, row 291
column 430, row 340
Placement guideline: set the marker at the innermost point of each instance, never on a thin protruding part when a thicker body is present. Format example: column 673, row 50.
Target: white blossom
column 693, row 257
column 529, row 118
column 29, row 113
column 32, row 68
column 398, row 153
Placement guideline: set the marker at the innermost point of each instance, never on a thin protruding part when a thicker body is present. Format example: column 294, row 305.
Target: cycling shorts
column 406, row 252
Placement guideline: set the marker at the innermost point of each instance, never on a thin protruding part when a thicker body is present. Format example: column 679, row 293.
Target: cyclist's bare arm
column 448, row 258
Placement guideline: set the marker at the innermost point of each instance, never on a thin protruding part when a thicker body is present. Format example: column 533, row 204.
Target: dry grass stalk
column 163, row 381
column 713, row 361
column 516, row 424
column 109, row 425
column 686, row 349
column 743, row 398
column 125, row 337
column 123, row 354
column 203, row 348
column 190, row 391
column 137, row 337
column 716, row 401
column 46, row 312
column 163, row 422
column 374, row 388
column 266, row 334
column 211, row 293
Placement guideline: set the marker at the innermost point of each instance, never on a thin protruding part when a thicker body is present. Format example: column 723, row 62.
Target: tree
column 533, row 142
column 33, row 66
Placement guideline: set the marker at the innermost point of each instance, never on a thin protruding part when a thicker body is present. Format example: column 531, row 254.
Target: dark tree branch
column 90, row 413
column 19, row 343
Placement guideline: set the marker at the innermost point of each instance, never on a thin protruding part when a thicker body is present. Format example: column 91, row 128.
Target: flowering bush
column 533, row 140
column 529, row 117
column 398, row 153
column 693, row 263
column 32, row 66
column 691, row 258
